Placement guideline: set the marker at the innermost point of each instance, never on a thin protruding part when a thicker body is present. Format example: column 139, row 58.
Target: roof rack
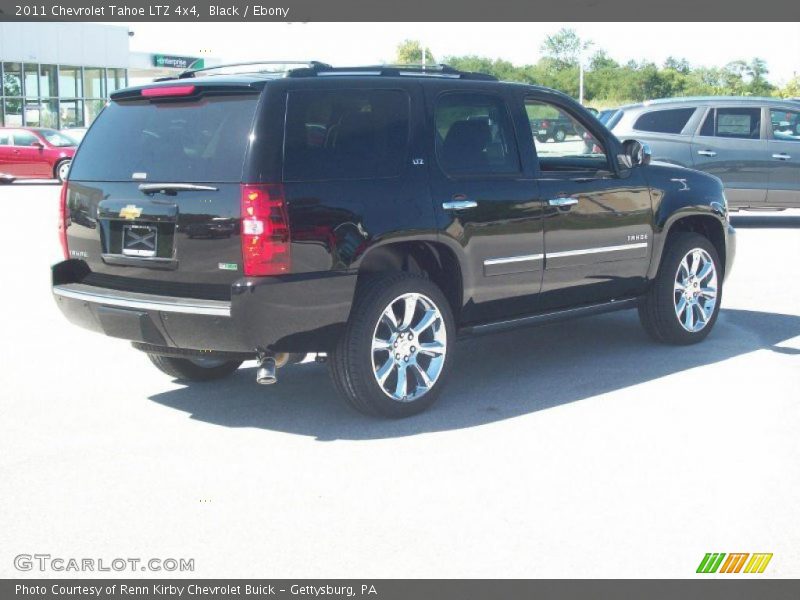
column 292, row 64
column 315, row 68
column 412, row 70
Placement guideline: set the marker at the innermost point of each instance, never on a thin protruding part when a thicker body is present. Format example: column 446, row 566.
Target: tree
column 791, row 89
column 680, row 65
column 564, row 48
column 409, row 52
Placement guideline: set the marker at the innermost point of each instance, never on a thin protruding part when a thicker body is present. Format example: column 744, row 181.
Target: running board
column 550, row 317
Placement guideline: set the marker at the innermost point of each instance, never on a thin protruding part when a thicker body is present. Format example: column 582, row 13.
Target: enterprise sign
column 177, row 62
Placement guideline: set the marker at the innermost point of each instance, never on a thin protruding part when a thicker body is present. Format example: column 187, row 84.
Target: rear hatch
column 154, row 192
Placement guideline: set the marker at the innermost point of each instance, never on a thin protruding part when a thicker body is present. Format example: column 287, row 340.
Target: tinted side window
column 345, row 134
column 664, row 121
column 742, row 123
column 576, row 150
column 474, row 135
column 785, row 124
column 5, row 139
column 24, row 138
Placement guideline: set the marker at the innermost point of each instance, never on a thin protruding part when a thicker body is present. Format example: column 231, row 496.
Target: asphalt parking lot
column 574, row 450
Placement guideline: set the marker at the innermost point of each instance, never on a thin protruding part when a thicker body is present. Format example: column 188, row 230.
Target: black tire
column 57, row 170
column 657, row 308
column 560, row 135
column 351, row 360
column 541, row 138
column 185, row 369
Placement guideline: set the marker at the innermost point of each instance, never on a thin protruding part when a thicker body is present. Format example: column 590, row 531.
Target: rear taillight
column 63, row 215
column 545, row 124
column 265, row 230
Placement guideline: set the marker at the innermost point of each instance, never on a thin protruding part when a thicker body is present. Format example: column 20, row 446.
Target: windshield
column 54, row 138
column 194, row 141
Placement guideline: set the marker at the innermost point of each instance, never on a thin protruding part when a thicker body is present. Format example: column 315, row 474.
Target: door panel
column 485, row 203
column 597, row 222
column 7, row 163
column 784, row 153
column 731, row 145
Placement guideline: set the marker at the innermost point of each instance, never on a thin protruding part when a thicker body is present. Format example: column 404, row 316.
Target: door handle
column 781, row 156
column 561, row 202
column 706, row 153
column 459, row 204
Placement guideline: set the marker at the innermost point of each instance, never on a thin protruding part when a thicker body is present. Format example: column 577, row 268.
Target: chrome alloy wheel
column 695, row 290
column 408, row 347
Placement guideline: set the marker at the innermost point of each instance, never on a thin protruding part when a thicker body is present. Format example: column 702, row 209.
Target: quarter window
column 474, row 135
column 664, row 121
column 348, row 134
column 741, row 123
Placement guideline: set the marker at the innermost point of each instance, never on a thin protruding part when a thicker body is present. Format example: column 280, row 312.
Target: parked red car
column 32, row 152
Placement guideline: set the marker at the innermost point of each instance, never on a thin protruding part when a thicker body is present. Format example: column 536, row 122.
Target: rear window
column 346, row 134
column 664, row 121
column 194, row 141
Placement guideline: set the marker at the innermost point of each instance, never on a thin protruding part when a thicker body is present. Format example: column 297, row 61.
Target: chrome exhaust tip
column 266, row 374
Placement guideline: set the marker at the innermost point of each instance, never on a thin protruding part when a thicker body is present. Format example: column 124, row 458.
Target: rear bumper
column 288, row 314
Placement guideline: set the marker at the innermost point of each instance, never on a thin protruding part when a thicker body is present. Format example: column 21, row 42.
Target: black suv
column 372, row 215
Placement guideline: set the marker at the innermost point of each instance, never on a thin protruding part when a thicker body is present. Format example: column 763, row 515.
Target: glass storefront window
column 54, row 96
column 69, row 82
column 48, row 81
column 33, row 112
column 31, row 80
column 93, row 81
column 116, row 80
column 13, row 117
column 93, row 108
column 12, row 79
column 71, row 112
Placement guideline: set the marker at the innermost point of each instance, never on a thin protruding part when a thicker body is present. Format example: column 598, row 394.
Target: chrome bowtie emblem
column 130, row 212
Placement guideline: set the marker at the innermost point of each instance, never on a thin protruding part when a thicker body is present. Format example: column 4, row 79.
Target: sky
column 702, row 44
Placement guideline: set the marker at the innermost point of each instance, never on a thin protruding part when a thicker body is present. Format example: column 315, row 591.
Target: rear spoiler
column 176, row 90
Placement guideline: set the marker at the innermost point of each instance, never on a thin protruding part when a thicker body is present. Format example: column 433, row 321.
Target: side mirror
column 636, row 153
column 38, row 144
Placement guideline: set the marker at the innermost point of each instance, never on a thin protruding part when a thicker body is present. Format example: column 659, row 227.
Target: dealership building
column 60, row 75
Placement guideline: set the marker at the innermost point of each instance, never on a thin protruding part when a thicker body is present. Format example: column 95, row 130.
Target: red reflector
column 265, row 231
column 63, row 215
column 170, row 90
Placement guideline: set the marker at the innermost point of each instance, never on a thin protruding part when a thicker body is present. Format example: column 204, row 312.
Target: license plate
column 139, row 240
column 542, row 131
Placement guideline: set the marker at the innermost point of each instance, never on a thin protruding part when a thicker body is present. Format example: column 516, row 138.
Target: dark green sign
column 177, row 62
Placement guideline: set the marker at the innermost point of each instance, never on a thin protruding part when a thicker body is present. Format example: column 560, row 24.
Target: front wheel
column 395, row 353
column 194, row 369
column 62, row 170
column 560, row 135
column 683, row 302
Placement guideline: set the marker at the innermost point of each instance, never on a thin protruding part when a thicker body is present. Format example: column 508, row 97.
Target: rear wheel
column 393, row 357
column 194, row 369
column 682, row 305
column 62, row 170
column 560, row 135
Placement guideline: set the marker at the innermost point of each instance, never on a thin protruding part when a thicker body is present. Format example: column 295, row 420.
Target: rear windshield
column 196, row 141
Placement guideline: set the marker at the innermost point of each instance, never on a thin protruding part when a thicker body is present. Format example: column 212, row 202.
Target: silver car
column 751, row 144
